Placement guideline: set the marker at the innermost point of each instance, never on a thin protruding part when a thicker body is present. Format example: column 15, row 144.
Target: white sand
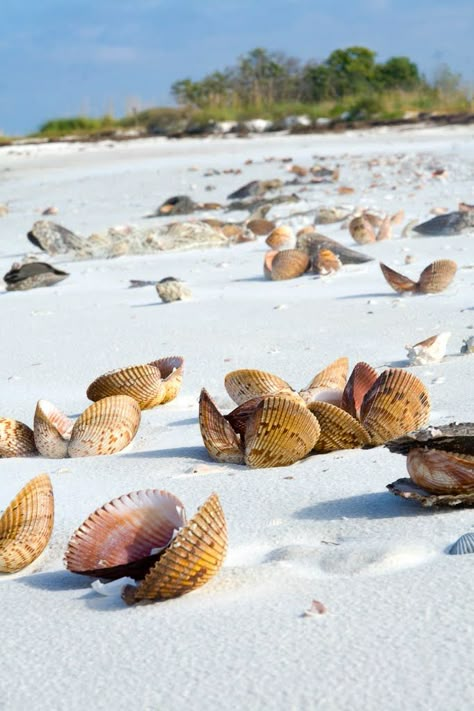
column 399, row 629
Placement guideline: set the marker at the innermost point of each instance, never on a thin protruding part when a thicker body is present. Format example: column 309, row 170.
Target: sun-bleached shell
column 464, row 545
column 361, row 230
column 436, row 277
column 125, row 536
column 220, row 440
column 287, row 264
column 281, row 237
column 430, row 350
column 247, row 383
column 441, row 472
column 52, row 430
column 16, row 439
column 170, row 289
column 192, row 559
column 361, row 379
column 328, row 384
column 26, row 525
column 339, row 430
column 397, row 281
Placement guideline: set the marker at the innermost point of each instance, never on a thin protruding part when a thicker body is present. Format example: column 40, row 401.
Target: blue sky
column 65, row 57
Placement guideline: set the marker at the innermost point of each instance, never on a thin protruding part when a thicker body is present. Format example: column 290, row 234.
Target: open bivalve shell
column 441, row 472
column 436, row 277
column 361, row 379
column 397, row 281
column 16, row 439
column 328, row 384
column 339, row 430
column 287, row 264
column 247, row 383
column 26, row 525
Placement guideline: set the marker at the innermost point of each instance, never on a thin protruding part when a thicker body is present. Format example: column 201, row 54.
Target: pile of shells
column 145, row 535
column 436, row 277
column 273, row 425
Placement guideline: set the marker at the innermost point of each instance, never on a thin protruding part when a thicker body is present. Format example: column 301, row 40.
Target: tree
column 351, row 70
column 398, row 73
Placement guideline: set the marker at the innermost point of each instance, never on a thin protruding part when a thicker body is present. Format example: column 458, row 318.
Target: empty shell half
column 52, row 430
column 441, row 472
column 339, row 430
column 464, row 545
column 361, row 379
column 287, row 264
column 247, row 383
column 16, row 439
column 328, row 384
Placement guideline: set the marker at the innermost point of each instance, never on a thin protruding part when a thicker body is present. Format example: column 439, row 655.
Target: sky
column 67, row 57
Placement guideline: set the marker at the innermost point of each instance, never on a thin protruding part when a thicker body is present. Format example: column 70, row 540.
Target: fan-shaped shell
column 328, row 384
column 125, row 536
column 281, row 238
column 464, row 545
column 267, row 263
column 259, row 226
column 26, row 525
column 326, row 262
column 360, row 381
column 220, row 440
column 106, row 427
column 16, row 439
column 247, row 383
column 361, row 230
column 441, row 472
column 171, row 370
column 339, row 430
column 397, row 403
column 397, row 281
column 437, row 276
column 192, row 559
column 289, row 264
column 52, row 430
column 279, row 432
column 385, row 230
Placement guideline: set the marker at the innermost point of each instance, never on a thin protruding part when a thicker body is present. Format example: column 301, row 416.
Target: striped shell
column 441, row 472
column 288, row 264
column 361, row 230
column 397, row 403
column 105, row 427
column 339, row 430
column 26, row 525
column 245, row 384
column 16, row 439
column 220, row 440
column 397, row 281
column 125, row 536
column 171, row 370
column 52, row 430
column 192, row 559
column 463, row 545
column 328, row 384
column 407, row 489
column 437, row 276
column 361, row 379
column 281, row 238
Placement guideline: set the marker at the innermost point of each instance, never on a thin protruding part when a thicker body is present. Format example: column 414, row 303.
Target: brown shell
column 407, row 489
column 260, row 226
column 247, row 383
column 16, row 439
column 52, row 430
column 436, row 277
column 398, row 217
column 361, row 230
column 454, row 437
column 360, row 381
column 279, row 432
column 289, row 264
column 26, row 525
column 267, row 263
column 397, row 281
column 238, row 418
column 281, row 238
column 171, row 370
column 339, row 430
column 373, row 219
column 220, row 440
column 192, row 559
column 142, row 382
column 125, row 536
column 397, row 403
column 385, row 230
column 105, row 427
column 441, row 472
column 332, row 378
column 326, row 262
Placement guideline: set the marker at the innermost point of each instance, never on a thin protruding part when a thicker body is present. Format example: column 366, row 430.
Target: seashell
column 360, row 381
column 260, row 226
column 431, row 350
column 374, row 220
column 32, row 275
column 105, row 427
column 244, row 384
column 385, row 230
column 339, row 430
column 361, row 230
column 450, row 438
column 408, row 490
column 193, row 558
column 177, row 205
column 170, row 289
column 326, row 262
column 311, row 242
column 398, row 217
column 238, row 418
column 279, row 432
column 452, row 223
column 51, row 210
column 328, row 384
column 463, row 545
column 328, row 215
column 288, row 264
column 441, row 472
column 267, row 263
column 220, row 440
column 53, row 238
column 52, row 430
column 16, row 439
column 26, row 525
column 252, row 189
column 125, row 536
column 171, row 370
column 298, row 170
column 281, row 238
column 397, row 281
column 467, row 345
column 397, row 403
column 437, row 276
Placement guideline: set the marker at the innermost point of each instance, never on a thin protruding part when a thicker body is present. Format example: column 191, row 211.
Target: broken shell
column 397, row 281
column 105, row 427
column 328, row 384
column 463, row 545
column 361, row 230
column 125, row 536
column 220, row 440
column 170, row 289
column 437, row 276
column 171, row 370
column 16, row 439
column 245, row 384
column 398, row 217
column 193, row 558
column 326, row 262
column 441, row 472
column 408, row 490
column 26, row 525
column 431, row 350
column 339, row 430
column 281, row 238
column 52, row 430
column 288, row 264
column 360, row 381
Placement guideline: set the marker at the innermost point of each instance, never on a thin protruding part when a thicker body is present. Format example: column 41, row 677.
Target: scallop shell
column 408, row 490
column 171, row 370
column 431, row 350
column 397, row 403
column 441, row 472
column 281, row 238
column 245, row 384
column 52, row 430
column 463, row 545
column 289, row 264
column 125, row 536
column 360, row 381
column 105, row 427
column 192, row 559
column 397, row 281
column 16, row 439
column 267, row 263
column 339, row 430
column 328, row 384
column 220, row 440
column 26, row 525
column 326, row 262
column 361, row 230
column 279, row 432
column 437, row 276
column 385, row 230
column 142, row 382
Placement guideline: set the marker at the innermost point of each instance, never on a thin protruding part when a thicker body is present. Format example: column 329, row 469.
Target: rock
column 53, row 238
column 171, row 289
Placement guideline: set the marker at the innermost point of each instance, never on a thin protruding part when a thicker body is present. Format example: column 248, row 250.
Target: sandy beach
column 398, row 631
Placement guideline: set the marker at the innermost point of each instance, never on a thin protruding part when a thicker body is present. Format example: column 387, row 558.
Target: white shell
column 431, row 350
column 463, row 545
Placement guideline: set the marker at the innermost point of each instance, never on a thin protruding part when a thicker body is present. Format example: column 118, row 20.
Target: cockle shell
column 260, row 226
column 192, row 559
column 361, row 230
column 247, row 383
column 464, row 545
column 311, row 242
column 16, row 439
column 326, row 262
column 281, row 238
column 397, row 281
column 437, row 276
column 287, row 264
column 361, row 379
column 26, row 525
column 385, row 230
column 52, row 430
column 328, row 384
column 171, row 370
column 339, row 430
column 441, row 472
column 125, row 536
column 220, row 440
column 430, row 350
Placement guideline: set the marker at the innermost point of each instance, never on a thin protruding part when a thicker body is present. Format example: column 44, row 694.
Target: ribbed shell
column 397, row 281
column 289, row 264
column 338, row 429
column 106, row 427
column 220, row 440
column 267, row 263
column 332, row 378
column 192, row 559
column 238, row 418
column 171, row 370
column 407, row 489
column 16, row 439
column 52, row 430
column 441, row 472
column 260, row 226
column 142, row 382
column 126, row 535
column 326, row 262
column 247, row 383
column 437, row 276
column 361, row 230
column 26, row 525
column 464, row 545
column 360, row 381
column 280, row 432
column 397, row 403
column 281, row 238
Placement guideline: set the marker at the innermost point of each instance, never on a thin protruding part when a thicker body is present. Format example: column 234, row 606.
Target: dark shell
column 450, row 438
column 408, row 490
column 452, row 223
column 32, row 275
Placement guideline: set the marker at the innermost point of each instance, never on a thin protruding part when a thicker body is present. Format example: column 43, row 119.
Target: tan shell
column 220, row 440
column 267, row 263
column 52, row 430
column 170, row 290
column 385, row 230
column 326, row 262
column 360, row 381
column 192, row 559
column 373, row 219
column 397, row 281
column 328, row 384
column 398, row 217
column 361, row 230
column 281, row 238
column 288, row 264
column 247, row 383
column 26, row 525
column 171, row 370
column 125, row 536
column 279, row 432
column 260, row 226
column 441, row 472
column 16, row 439
column 339, row 430
column 397, row 403
column 105, row 427
column 437, row 276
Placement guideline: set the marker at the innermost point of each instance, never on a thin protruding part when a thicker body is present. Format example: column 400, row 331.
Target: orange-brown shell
column 52, row 430
column 326, row 262
column 339, row 430
column 288, row 264
column 361, row 230
column 259, row 226
column 281, row 238
column 441, row 472
column 398, row 217
column 397, row 281
column 220, row 440
column 16, row 439
column 361, row 379
column 171, row 370
column 437, row 276
column 332, row 378
column 247, row 383
column 105, row 427
column 142, row 382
